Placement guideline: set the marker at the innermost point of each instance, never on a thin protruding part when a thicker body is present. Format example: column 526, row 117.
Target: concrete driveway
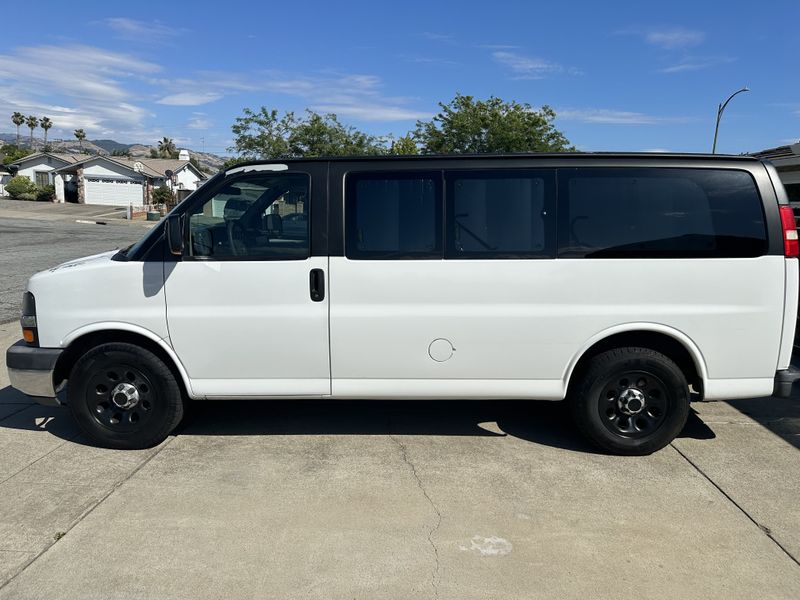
column 398, row 500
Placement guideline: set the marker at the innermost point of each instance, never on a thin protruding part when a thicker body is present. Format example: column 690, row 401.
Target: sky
column 621, row 76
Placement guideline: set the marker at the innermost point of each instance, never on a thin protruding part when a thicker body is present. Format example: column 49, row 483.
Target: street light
column 720, row 109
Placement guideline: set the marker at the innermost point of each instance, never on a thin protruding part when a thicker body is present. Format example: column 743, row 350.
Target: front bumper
column 30, row 370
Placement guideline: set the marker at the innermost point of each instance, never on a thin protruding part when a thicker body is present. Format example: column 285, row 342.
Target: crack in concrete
column 764, row 529
column 432, row 531
column 114, row 487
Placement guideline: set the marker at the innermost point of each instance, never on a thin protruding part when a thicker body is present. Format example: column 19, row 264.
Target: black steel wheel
column 630, row 400
column 123, row 396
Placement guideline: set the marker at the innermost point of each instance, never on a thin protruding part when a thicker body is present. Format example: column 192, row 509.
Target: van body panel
column 249, row 328
column 95, row 291
column 528, row 319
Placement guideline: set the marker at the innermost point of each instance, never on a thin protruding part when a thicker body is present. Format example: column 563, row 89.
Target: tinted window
column 666, row 213
column 260, row 216
column 393, row 216
column 500, row 214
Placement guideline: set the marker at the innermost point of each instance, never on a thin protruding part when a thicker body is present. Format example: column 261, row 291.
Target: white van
column 627, row 284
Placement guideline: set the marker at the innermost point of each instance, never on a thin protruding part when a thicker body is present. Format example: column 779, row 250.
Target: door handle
column 317, row 285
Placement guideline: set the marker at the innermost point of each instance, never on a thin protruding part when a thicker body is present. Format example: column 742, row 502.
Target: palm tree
column 166, row 148
column 81, row 135
column 18, row 119
column 32, row 123
column 46, row 124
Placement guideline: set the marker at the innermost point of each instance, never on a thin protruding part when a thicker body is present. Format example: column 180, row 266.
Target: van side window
column 257, row 217
column 500, row 214
column 659, row 213
column 393, row 216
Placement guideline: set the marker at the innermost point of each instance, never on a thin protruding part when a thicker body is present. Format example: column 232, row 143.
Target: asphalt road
column 29, row 245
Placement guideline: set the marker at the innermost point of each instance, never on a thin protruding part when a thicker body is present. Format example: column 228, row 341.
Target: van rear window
column 659, row 213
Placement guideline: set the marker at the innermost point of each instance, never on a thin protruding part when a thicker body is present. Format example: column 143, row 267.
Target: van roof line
column 559, row 155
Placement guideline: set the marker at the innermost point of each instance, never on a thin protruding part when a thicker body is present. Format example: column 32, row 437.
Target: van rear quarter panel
column 529, row 319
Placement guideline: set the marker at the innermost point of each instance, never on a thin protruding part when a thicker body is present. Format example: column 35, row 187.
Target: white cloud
column 190, row 98
column 528, row 67
column 200, row 121
column 676, row 37
column 75, row 85
column 617, row 117
column 697, row 63
column 146, row 31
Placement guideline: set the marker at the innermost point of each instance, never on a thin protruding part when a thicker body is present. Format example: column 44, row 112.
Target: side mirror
column 174, row 234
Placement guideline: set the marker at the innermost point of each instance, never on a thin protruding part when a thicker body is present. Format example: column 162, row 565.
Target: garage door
column 113, row 192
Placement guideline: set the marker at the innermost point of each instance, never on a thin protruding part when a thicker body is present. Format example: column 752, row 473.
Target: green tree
column 46, row 124
column 404, row 145
column 32, row 123
column 80, row 134
column 268, row 135
column 466, row 125
column 11, row 153
column 167, row 149
column 18, row 119
column 262, row 134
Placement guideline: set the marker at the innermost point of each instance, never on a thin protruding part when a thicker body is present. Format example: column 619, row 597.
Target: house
column 5, row 176
column 123, row 181
column 41, row 167
column 787, row 161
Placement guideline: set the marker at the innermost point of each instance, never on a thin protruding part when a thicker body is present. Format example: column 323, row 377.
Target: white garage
column 114, row 192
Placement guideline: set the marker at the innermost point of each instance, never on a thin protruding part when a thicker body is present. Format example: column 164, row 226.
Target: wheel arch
column 81, row 340
column 669, row 341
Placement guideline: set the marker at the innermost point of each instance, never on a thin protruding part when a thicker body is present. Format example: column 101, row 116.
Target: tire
column 630, row 401
column 123, row 396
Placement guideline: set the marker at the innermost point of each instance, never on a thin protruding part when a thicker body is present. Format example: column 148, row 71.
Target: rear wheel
column 123, row 396
column 630, row 401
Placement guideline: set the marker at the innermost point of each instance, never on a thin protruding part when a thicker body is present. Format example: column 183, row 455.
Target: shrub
column 21, row 187
column 163, row 195
column 46, row 193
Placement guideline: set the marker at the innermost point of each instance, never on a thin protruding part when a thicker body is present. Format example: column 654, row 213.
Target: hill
column 210, row 162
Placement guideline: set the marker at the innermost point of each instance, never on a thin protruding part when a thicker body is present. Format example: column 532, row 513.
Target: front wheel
column 123, row 396
column 630, row 401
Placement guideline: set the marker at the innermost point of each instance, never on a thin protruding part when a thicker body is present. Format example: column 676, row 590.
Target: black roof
column 544, row 155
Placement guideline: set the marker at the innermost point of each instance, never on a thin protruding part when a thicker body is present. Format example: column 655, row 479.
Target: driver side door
column 243, row 313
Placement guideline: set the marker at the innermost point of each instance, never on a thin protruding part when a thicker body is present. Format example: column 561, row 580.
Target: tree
column 18, row 119
column 80, row 134
column 265, row 134
column 167, row 149
column 405, row 146
column 46, row 124
column 32, row 123
column 466, row 125
column 13, row 153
